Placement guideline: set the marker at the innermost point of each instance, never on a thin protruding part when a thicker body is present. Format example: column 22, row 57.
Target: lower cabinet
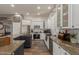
column 50, row 46
column 42, row 36
column 46, row 40
column 58, row 50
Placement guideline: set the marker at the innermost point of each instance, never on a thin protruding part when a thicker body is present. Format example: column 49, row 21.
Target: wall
column 75, row 15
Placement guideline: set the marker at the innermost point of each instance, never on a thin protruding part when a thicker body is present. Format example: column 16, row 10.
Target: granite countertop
column 9, row 49
column 5, row 36
column 71, row 48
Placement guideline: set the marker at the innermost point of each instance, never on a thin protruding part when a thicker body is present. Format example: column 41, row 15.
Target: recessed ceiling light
column 27, row 13
column 12, row 5
column 59, row 8
column 49, row 7
column 16, row 13
column 38, row 13
column 38, row 7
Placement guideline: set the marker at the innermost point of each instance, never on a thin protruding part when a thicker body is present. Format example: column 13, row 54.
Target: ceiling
column 7, row 10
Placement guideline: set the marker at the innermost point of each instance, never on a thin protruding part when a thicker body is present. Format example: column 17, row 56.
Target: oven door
column 36, row 36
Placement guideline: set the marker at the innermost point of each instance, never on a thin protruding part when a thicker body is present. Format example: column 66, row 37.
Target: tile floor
column 38, row 48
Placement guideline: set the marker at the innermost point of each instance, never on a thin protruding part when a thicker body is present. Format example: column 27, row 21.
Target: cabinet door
column 62, row 15
column 56, row 49
column 42, row 36
column 58, row 15
column 65, row 15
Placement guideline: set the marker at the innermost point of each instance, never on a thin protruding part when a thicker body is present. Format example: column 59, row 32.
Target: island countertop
column 71, row 48
column 9, row 49
column 5, row 36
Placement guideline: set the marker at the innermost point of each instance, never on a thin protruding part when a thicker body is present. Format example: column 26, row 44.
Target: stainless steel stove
column 36, row 36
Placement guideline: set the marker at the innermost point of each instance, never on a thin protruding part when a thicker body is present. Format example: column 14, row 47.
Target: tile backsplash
column 74, row 31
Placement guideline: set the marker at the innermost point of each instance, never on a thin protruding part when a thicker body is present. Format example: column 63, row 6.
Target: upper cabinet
column 63, row 16
column 70, row 15
column 58, row 15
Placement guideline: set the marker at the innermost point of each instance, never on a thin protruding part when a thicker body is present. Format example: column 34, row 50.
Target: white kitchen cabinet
column 58, row 50
column 64, row 19
column 68, row 15
column 65, row 15
column 47, row 42
column 59, row 15
column 42, row 36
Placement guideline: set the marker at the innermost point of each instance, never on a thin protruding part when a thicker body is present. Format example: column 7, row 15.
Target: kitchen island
column 15, row 48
